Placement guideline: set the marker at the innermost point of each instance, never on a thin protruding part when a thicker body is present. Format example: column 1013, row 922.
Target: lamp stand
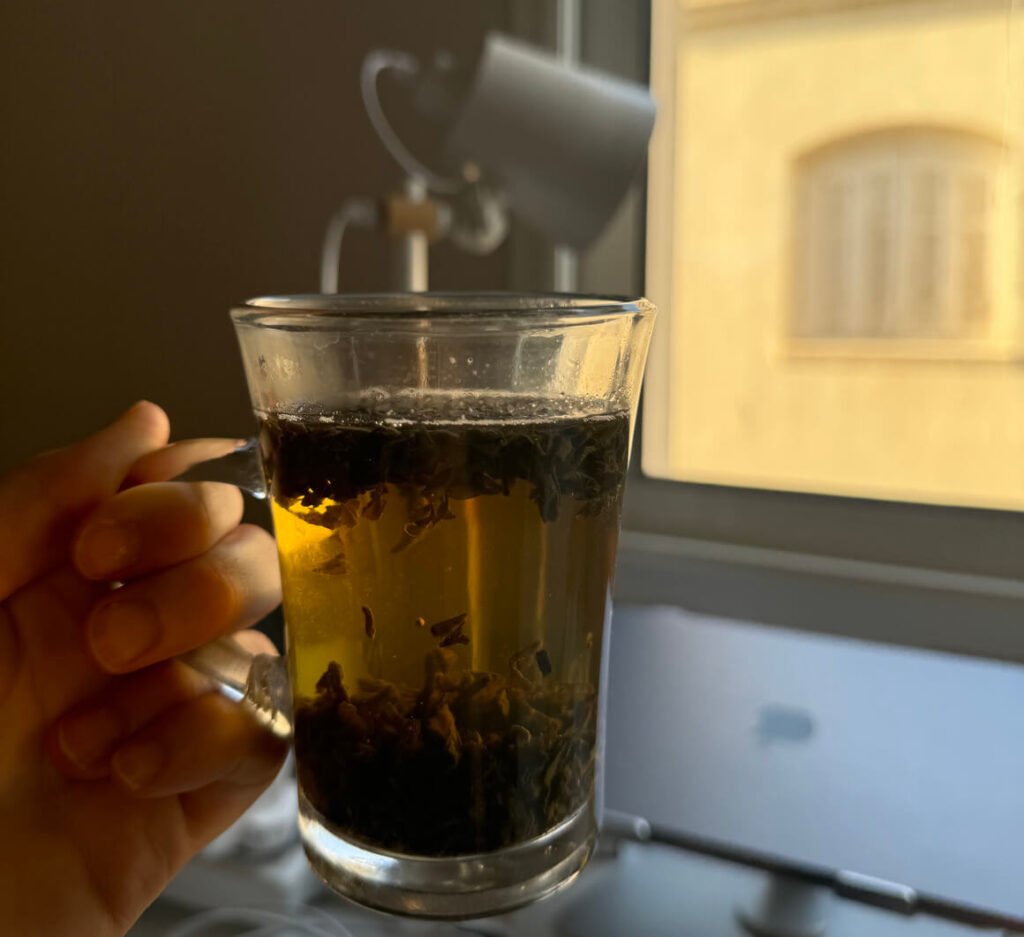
column 413, row 251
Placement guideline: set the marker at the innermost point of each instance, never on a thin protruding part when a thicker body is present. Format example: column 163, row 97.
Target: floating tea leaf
column 448, row 624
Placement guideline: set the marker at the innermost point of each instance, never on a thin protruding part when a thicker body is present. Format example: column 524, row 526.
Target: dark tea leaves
column 469, row 762
column 434, row 462
column 448, row 625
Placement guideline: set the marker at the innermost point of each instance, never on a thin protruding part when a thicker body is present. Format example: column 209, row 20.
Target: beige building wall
column 757, row 85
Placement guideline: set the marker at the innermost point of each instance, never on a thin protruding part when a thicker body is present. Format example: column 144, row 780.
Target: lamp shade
column 565, row 142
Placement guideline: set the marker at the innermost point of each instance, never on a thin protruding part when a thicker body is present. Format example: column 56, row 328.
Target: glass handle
column 240, row 467
column 258, row 681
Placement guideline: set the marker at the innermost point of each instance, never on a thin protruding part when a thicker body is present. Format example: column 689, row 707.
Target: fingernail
column 138, row 405
column 86, row 738
column 121, row 632
column 138, row 763
column 107, row 546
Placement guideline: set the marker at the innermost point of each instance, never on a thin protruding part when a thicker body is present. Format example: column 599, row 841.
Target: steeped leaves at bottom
column 469, row 762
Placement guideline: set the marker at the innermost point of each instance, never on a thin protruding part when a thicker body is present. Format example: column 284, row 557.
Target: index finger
column 175, row 459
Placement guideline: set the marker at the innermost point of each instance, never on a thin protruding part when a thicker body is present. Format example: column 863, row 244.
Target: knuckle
column 222, row 505
column 256, row 642
column 217, row 586
column 237, row 575
column 265, row 561
column 200, row 496
column 255, row 535
column 148, row 468
column 254, row 543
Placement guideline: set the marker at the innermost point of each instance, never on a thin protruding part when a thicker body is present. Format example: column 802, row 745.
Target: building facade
column 844, row 291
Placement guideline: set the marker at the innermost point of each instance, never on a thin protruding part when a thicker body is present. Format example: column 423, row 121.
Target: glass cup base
column 449, row 888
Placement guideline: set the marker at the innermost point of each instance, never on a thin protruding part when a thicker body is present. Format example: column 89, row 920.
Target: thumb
column 42, row 500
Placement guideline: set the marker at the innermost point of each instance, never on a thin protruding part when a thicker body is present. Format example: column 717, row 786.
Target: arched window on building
column 894, row 236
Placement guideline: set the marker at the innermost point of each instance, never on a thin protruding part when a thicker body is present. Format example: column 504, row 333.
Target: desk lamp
column 553, row 145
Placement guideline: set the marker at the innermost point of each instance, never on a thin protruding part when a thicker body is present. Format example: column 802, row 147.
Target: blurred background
column 815, row 669
column 162, row 161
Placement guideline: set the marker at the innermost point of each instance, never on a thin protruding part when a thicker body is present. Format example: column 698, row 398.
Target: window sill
column 931, row 609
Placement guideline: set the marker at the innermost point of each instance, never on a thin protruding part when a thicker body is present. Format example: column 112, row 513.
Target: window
column 835, row 239
column 893, row 239
column 832, row 434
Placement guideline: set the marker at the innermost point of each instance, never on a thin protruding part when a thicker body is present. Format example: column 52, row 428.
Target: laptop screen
column 899, row 764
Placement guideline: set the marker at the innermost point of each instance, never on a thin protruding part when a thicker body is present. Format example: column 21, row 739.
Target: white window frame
column 949, row 579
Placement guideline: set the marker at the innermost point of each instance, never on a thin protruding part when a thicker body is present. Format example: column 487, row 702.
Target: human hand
column 117, row 762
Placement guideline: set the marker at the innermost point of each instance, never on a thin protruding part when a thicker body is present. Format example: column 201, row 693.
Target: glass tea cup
column 445, row 473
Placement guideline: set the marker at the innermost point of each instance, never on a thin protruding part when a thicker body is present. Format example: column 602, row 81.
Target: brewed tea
column 445, row 583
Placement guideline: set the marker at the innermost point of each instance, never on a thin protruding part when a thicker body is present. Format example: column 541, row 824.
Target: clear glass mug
column 445, row 474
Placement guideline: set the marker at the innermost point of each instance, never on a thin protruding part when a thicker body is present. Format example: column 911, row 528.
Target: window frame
column 943, row 578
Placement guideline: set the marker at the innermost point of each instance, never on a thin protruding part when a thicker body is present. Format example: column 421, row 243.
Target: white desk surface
column 647, row 891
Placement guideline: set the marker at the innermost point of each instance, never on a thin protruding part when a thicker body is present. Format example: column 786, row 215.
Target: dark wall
column 160, row 160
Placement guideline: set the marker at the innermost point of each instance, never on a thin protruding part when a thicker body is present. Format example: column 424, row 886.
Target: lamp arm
column 379, row 61
column 362, row 212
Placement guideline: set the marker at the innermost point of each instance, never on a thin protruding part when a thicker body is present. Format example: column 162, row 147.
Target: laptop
column 822, row 754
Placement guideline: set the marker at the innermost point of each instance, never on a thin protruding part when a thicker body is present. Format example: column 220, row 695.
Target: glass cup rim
column 449, row 310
